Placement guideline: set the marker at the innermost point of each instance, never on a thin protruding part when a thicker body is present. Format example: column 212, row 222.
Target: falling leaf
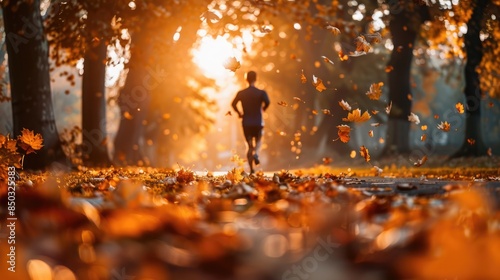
column 343, row 56
column 436, row 116
column 326, row 59
column 298, row 99
column 363, row 151
column 318, row 83
column 211, row 17
column 381, row 140
column 423, row 137
column 489, row 152
column 388, row 108
column 375, row 124
column 232, row 64
column 345, row 105
column 29, row 141
column 282, row 103
column 374, row 112
column 356, row 116
column 444, row 126
column 460, row 108
column 303, row 78
column 314, row 112
column 413, row 118
column 326, row 112
column 389, row 68
column 265, row 29
column 420, row 162
column 327, row 160
column 378, row 170
column 344, row 132
column 370, row 133
column 471, row 141
column 375, row 91
column 423, row 127
column 362, row 46
column 334, row 30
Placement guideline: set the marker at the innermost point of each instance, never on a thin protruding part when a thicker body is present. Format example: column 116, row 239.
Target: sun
column 210, row 55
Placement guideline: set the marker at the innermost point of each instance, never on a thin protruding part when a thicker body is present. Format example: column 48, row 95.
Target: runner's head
column 251, row 77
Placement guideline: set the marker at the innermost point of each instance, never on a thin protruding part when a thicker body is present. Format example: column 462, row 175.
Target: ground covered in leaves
column 318, row 223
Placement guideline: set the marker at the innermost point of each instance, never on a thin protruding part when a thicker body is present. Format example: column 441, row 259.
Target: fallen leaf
column 232, row 64
column 344, row 132
column 413, row 118
column 318, row 83
column 363, row 151
column 356, row 116
column 444, row 126
column 345, row 105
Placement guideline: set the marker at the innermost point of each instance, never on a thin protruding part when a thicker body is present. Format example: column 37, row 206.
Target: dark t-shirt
column 252, row 100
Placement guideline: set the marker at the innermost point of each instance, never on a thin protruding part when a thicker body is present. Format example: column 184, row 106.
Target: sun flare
column 211, row 54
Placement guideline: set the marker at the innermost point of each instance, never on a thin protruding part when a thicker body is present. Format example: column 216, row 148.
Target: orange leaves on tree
column 344, row 133
column 375, row 91
column 232, row 64
column 356, row 116
column 363, row 151
column 318, row 83
column 460, row 108
column 444, row 126
column 345, row 105
column 29, row 141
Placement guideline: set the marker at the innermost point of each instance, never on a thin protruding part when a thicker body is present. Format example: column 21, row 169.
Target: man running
column 253, row 101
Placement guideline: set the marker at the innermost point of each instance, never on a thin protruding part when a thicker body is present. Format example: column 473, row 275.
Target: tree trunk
column 404, row 27
column 134, row 103
column 95, row 151
column 472, row 91
column 32, row 107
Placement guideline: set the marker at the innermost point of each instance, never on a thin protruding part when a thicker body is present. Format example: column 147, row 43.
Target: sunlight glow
column 211, row 54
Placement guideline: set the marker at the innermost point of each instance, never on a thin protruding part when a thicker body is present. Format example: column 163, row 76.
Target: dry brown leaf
column 303, row 78
column 420, row 162
column 334, row 30
column 318, row 83
column 375, row 91
column 363, row 151
column 345, row 105
column 344, row 132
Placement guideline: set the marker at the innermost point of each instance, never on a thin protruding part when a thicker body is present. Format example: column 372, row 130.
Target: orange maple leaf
column 356, row 116
column 232, row 64
column 444, row 126
column 344, row 132
column 345, row 105
column 460, row 108
column 375, row 91
column 29, row 141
